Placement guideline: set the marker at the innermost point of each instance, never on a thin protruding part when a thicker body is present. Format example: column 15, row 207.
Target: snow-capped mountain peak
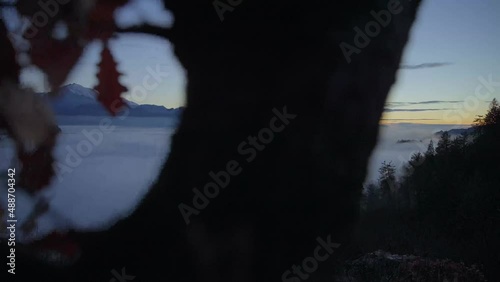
column 77, row 100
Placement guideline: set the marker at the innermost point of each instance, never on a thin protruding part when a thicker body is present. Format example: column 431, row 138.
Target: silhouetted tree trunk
column 304, row 184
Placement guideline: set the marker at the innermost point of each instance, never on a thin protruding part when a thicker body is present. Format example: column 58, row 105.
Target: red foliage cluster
column 443, row 270
column 56, row 57
column 37, row 169
column 109, row 88
column 384, row 266
column 10, row 69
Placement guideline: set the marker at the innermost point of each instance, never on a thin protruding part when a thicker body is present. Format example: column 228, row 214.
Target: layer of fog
column 92, row 190
column 389, row 150
column 106, row 185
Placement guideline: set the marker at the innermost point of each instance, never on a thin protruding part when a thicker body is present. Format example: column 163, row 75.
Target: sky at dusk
column 454, row 48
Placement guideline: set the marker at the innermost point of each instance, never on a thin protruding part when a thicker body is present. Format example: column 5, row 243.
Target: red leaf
column 37, row 167
column 3, row 122
column 109, row 88
column 10, row 69
column 58, row 57
column 101, row 23
column 54, row 57
column 63, row 244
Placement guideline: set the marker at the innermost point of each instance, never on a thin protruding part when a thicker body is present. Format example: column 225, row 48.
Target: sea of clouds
column 108, row 183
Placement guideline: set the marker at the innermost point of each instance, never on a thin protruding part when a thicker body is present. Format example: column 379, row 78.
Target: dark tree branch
column 7, row 4
column 147, row 29
column 243, row 65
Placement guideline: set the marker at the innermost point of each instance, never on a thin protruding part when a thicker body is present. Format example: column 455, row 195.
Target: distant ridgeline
column 456, row 132
column 76, row 100
column 453, row 133
column 408, row 141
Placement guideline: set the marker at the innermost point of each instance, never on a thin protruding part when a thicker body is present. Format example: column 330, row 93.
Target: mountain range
column 456, row 132
column 76, row 100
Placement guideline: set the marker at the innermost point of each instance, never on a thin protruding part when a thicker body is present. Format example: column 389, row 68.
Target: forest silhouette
column 446, row 202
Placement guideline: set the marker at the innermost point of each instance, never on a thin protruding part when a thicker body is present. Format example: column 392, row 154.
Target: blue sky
column 461, row 34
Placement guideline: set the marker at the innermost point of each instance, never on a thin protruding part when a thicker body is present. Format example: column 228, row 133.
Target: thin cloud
column 402, row 104
column 409, row 119
column 424, row 66
column 415, row 110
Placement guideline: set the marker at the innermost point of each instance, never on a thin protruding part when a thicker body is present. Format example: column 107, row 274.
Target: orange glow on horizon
column 433, row 117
